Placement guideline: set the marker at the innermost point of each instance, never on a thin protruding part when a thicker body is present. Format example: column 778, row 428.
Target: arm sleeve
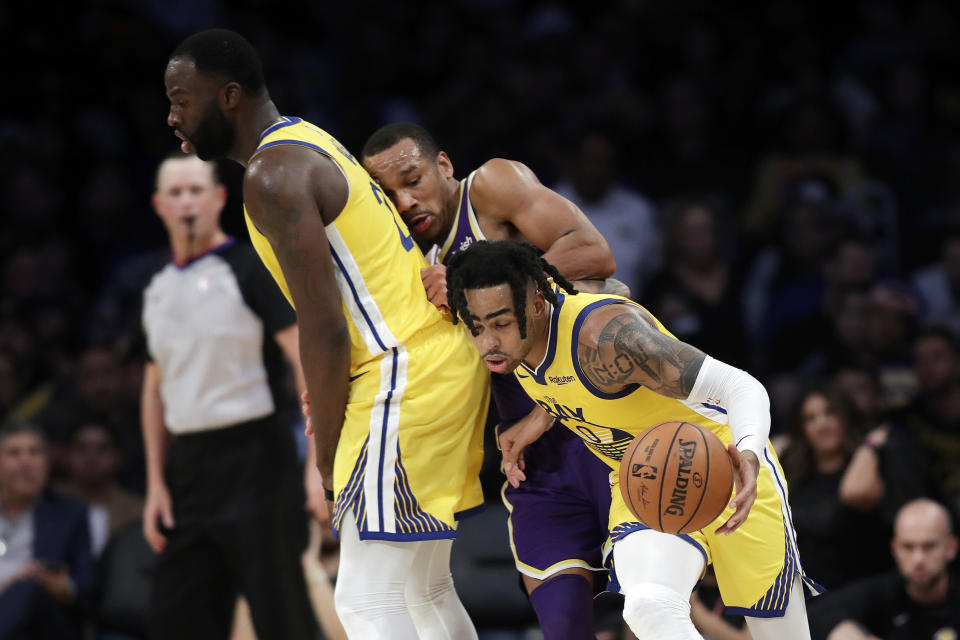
column 742, row 397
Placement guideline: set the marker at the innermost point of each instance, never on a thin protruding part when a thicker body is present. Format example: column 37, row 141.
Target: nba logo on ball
column 644, row 472
column 676, row 477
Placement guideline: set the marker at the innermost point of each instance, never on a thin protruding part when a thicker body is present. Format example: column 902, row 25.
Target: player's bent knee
column 655, row 611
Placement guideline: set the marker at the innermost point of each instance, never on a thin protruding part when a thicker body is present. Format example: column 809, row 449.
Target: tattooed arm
column 291, row 193
column 619, row 345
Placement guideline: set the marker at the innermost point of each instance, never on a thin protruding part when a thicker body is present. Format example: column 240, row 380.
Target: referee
column 224, row 507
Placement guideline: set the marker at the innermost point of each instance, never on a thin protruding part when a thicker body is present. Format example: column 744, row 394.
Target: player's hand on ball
column 746, row 467
column 435, row 282
column 305, row 410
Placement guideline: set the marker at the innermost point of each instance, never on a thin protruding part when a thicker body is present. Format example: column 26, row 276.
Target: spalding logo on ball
column 676, row 477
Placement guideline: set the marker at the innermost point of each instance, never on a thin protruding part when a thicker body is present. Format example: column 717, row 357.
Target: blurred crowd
column 780, row 186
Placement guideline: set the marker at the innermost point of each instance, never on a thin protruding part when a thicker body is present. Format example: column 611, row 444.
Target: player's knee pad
column 655, row 611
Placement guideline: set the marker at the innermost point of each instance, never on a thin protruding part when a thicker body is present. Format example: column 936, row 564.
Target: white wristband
column 742, row 397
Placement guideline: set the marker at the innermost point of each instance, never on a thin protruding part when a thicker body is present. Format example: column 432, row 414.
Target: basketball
column 676, row 477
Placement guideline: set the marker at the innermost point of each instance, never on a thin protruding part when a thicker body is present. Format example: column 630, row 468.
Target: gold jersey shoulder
column 376, row 261
column 606, row 422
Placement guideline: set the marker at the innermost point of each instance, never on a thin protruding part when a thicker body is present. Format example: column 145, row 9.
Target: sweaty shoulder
column 293, row 178
column 501, row 186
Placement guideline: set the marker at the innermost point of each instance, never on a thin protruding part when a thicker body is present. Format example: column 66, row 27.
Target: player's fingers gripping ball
column 676, row 477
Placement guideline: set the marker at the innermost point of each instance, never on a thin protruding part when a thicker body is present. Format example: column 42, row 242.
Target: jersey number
column 405, row 240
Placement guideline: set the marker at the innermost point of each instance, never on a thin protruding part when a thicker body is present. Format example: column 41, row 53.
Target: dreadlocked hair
column 489, row 264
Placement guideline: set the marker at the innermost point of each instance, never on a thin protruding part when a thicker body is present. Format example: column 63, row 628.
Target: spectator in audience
column 697, row 295
column 11, row 385
column 938, row 286
column 92, row 392
column 785, row 289
column 890, row 326
column 93, row 460
column 850, row 265
column 837, row 541
column 46, row 569
column 920, row 600
column 624, row 217
column 847, row 340
column 934, row 415
column 888, row 468
column 810, row 145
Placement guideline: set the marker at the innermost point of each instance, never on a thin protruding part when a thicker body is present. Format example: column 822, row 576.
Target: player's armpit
column 619, row 345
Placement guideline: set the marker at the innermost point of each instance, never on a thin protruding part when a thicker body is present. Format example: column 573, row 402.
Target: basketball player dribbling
column 558, row 518
column 607, row 369
column 388, row 375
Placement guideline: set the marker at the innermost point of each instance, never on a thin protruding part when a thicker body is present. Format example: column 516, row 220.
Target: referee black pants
column 240, row 530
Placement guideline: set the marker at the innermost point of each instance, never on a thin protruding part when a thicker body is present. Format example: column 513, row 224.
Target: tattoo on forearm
column 630, row 350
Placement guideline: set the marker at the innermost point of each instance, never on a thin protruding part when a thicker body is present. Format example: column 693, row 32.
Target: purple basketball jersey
column 558, row 517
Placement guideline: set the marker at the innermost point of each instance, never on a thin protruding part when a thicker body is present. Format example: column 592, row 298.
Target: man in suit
column 46, row 566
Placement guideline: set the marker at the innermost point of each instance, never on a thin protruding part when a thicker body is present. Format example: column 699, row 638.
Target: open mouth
column 185, row 145
column 421, row 222
column 497, row 364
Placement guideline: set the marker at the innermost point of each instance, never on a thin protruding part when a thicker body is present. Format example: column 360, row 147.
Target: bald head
column 923, row 514
column 923, row 545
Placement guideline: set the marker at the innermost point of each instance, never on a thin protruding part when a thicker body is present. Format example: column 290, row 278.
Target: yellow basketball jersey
column 377, row 262
column 606, row 422
column 411, row 447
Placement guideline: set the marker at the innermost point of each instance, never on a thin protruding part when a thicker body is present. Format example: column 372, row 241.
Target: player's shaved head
column 226, row 54
column 389, row 135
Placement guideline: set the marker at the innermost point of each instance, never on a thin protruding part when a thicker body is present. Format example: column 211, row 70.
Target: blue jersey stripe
column 356, row 299
column 287, row 121
column 540, row 373
column 300, row 143
column 383, row 431
column 787, row 522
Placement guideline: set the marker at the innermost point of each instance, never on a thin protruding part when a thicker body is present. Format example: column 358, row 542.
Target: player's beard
column 214, row 136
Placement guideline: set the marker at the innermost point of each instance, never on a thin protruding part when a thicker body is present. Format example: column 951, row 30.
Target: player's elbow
column 595, row 250
column 606, row 264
